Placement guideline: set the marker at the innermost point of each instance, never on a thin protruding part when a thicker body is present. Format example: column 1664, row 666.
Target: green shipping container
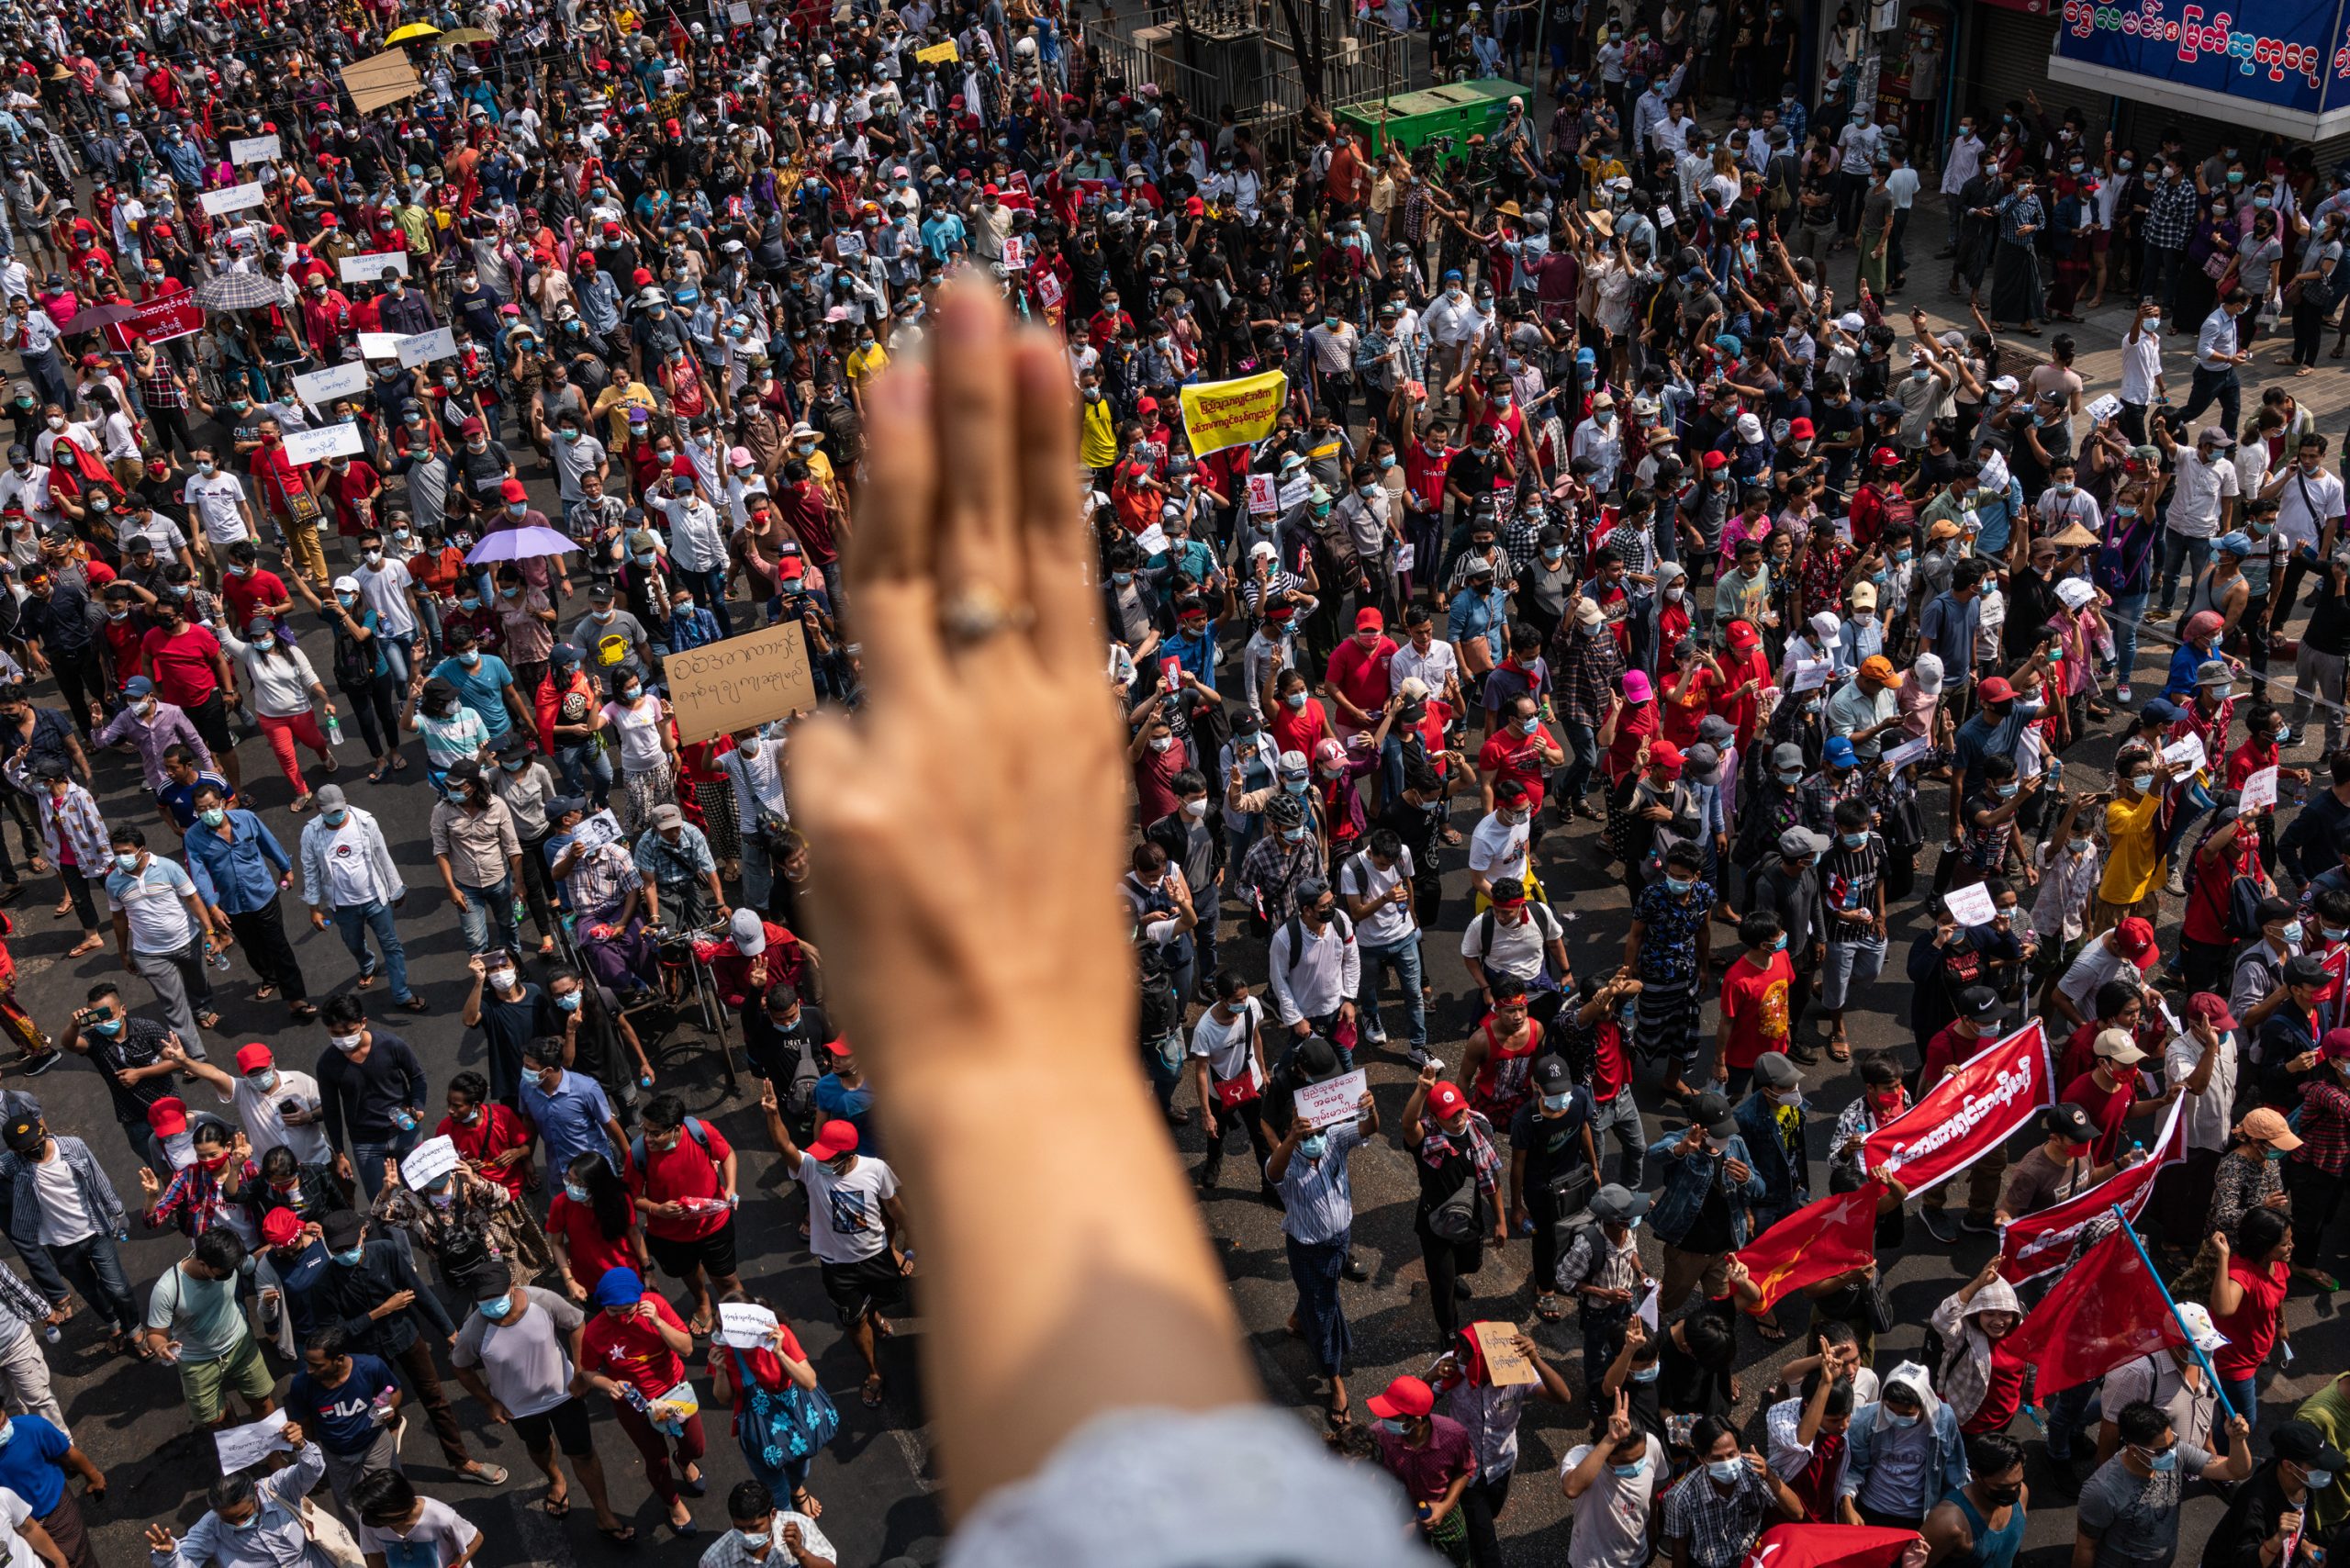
column 1448, row 115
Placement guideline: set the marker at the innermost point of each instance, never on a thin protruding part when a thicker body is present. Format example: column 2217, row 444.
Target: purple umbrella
column 518, row 544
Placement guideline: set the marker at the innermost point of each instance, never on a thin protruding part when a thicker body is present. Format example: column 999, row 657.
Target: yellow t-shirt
column 1098, row 446
column 866, row 361
column 2132, row 864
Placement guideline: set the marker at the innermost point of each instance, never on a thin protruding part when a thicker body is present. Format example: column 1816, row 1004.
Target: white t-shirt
column 154, row 899
column 266, row 1126
column 213, row 502
column 846, row 1224
column 1612, row 1515
column 2198, row 488
column 13, row 1512
column 438, row 1527
column 1498, row 851
column 1359, row 877
column 64, row 1217
column 640, row 731
column 1225, row 1046
column 383, row 589
column 2204, row 1117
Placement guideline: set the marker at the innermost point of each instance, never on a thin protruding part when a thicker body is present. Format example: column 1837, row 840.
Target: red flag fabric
column 2040, row 1241
column 1818, row 1241
column 2107, row 1310
column 1830, row 1546
column 1967, row 1114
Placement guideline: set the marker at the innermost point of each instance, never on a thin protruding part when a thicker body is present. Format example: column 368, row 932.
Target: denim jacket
column 1949, row 1462
column 1784, row 1186
column 24, row 1208
column 1683, row 1179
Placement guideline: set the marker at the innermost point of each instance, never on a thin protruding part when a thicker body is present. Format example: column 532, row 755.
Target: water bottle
column 220, row 960
column 334, row 730
column 49, row 1331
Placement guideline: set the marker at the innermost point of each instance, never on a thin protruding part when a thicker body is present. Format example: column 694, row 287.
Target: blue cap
column 1728, row 342
column 2237, row 543
column 619, row 1287
column 139, row 686
column 2160, row 710
column 1839, row 752
column 1453, row 274
column 1586, row 356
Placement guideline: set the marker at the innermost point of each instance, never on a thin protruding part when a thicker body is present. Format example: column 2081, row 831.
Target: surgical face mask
column 1724, row 1470
column 2141, row 782
column 350, row 1259
column 1899, row 1421
column 1647, row 1373
column 2006, row 792
column 2161, row 1463
column 1314, row 1146
column 109, row 1027
column 1790, row 775
column 213, row 816
column 335, row 817
column 1554, row 1104
column 127, row 862
column 1678, row 884
column 1295, row 701
column 264, row 1080
column 574, row 1191
column 347, row 1043
column 501, row 978
column 496, row 1307
column 2292, row 932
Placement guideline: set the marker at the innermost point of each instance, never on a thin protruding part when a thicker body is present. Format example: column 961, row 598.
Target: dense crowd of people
column 1600, row 539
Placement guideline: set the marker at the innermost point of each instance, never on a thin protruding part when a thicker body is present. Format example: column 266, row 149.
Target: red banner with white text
column 1968, row 1114
column 2042, row 1240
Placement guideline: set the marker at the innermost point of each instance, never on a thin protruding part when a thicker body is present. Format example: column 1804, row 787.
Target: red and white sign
column 2041, row 1241
column 168, row 316
column 1967, row 1114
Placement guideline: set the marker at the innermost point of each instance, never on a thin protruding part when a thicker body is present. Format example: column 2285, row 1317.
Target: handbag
column 781, row 1425
column 1236, row 1090
column 2216, row 265
column 1571, row 1190
column 1880, row 1308
column 1457, row 1219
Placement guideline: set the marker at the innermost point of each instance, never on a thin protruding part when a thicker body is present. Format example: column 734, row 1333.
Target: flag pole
column 2210, row 1372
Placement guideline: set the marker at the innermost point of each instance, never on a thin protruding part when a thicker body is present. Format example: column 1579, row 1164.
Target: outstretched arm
column 976, row 629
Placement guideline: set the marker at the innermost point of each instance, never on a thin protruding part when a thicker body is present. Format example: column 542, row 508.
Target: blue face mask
column 109, row 1027
column 2292, row 930
column 1629, row 1471
column 127, row 862
column 575, row 1192
column 569, row 1002
column 2163, row 1462
column 1853, row 840
column 1557, row 1102
column 1780, row 945
column 1724, row 1470
column 1314, row 1146
column 1897, row 1421
column 1647, row 1373
column 352, row 1258
column 1678, row 885
column 497, row 1307
column 335, row 817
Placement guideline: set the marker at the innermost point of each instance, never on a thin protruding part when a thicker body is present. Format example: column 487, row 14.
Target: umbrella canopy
column 518, row 544
column 413, row 31
column 238, row 291
column 462, row 35
column 98, row 316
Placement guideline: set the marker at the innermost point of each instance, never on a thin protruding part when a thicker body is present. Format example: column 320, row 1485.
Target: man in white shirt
column 2203, row 505
column 275, row 1105
column 385, row 588
column 1375, row 885
column 347, row 873
column 1316, row 966
column 2217, row 355
column 2142, row 369
column 857, row 1227
column 1498, row 845
column 2308, row 499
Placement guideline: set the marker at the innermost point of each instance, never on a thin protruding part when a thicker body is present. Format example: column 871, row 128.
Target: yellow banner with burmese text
column 1218, row 414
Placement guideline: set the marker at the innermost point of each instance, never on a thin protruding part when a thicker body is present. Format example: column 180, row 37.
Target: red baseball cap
column 168, row 1117
column 512, row 490
column 1715, row 461
column 831, row 1138
column 1446, row 1100
column 1799, row 430
column 281, row 1228
column 471, row 427
column 1368, row 619
column 1667, row 755
column 2137, row 937
column 253, row 1058
column 1146, row 405
column 1405, row 1396
column 1743, row 635
column 1995, row 689
column 2212, row 1009
column 2335, row 1046
column 838, row 1045
column 1885, row 458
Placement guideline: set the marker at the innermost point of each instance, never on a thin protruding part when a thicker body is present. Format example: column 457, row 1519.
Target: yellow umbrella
column 414, row 30
column 462, row 35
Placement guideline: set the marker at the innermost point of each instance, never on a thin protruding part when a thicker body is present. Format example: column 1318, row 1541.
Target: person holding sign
column 1308, row 1168
column 2133, row 862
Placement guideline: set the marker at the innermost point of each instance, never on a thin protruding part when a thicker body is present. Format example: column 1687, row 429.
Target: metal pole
column 2210, row 1372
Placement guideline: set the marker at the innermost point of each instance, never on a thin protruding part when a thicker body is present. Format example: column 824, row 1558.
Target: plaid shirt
column 2171, row 216
column 192, row 1199
column 2324, row 1128
column 1719, row 1529
column 160, row 388
column 1274, row 867
column 1586, row 669
column 601, row 881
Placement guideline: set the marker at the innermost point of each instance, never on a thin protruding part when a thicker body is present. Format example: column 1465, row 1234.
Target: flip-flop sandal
column 208, row 1020
column 484, row 1473
column 700, row 1328
column 1546, row 1308
column 399, row 764
column 1769, row 1328
column 871, row 1391
column 376, row 775
column 90, row 943
column 1841, row 1049
column 556, row 1508
column 304, row 1012
column 262, row 993
column 619, row 1535
column 808, row 1502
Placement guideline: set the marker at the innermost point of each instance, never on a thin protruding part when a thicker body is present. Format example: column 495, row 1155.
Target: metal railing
column 1240, row 52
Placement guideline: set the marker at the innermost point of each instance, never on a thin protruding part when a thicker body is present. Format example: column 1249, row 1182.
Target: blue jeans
column 367, row 1158
column 710, row 589
column 95, row 1268
column 486, row 908
column 1404, row 958
column 2123, row 616
column 354, row 926
column 1622, row 1115
column 2072, row 1414
column 1575, row 777
column 2244, row 1395
column 400, row 650
column 2179, row 549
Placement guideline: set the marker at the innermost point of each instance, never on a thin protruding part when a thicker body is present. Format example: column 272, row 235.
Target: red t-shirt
column 2248, row 759
column 244, row 594
column 1362, row 676
column 629, row 1350
column 1636, row 724
column 765, row 1366
column 495, row 1131
column 124, row 637
column 2208, row 892
column 1509, row 755
column 2002, row 1396
column 1294, row 729
column 2107, row 1108
column 1609, row 1071
column 1754, row 999
column 181, row 667
column 2251, row 1329
column 1686, row 704
column 1947, row 1049
column 688, row 1170
column 592, row 1254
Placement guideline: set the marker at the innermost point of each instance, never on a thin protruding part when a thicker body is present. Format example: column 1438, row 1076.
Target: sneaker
column 1375, row 1035
column 1418, row 1057
column 2155, row 617
column 35, row 1064
column 2177, row 886
column 2121, row 692
column 1938, row 1225
column 1975, row 1225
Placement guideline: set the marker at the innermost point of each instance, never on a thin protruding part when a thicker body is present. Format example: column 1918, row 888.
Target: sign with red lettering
column 2281, row 53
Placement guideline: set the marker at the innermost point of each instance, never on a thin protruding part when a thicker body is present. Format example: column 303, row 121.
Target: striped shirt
column 1317, row 1200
